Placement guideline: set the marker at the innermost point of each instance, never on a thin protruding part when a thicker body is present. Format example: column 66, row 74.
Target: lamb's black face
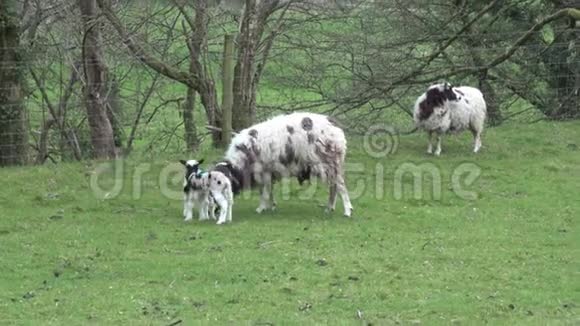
column 191, row 167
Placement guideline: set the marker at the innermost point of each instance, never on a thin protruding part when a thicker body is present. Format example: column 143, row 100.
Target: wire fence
column 366, row 70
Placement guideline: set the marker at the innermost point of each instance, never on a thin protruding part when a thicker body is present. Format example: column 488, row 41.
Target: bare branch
column 141, row 54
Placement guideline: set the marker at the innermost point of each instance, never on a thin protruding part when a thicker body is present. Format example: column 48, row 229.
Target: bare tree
column 249, row 66
column 199, row 77
column 102, row 138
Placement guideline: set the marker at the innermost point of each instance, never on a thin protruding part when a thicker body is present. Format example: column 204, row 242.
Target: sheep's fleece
column 301, row 145
column 444, row 108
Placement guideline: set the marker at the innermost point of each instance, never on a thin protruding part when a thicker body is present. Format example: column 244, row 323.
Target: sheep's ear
column 448, row 86
column 184, row 162
column 200, row 161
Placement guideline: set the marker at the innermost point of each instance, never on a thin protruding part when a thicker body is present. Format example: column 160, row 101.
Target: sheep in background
column 301, row 145
column 447, row 109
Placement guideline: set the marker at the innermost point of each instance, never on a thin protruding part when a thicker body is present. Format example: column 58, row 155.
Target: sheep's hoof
column 188, row 219
column 347, row 214
column 329, row 210
column 221, row 222
column 260, row 209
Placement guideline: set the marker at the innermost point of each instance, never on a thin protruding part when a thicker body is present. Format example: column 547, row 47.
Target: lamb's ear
column 184, row 162
column 200, row 161
column 447, row 86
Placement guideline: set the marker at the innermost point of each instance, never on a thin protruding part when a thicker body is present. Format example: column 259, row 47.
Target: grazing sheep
column 207, row 189
column 447, row 109
column 301, row 145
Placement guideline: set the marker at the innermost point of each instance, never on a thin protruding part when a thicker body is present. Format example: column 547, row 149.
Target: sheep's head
column 191, row 167
column 239, row 178
column 436, row 96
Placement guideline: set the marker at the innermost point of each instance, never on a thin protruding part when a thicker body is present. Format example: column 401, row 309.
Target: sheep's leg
column 273, row 203
column 223, row 204
column 265, row 194
column 430, row 147
column 332, row 194
column 264, row 198
column 341, row 186
column 477, row 140
column 438, row 149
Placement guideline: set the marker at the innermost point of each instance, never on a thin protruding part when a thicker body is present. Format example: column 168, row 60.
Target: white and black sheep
column 447, row 109
column 206, row 189
column 300, row 145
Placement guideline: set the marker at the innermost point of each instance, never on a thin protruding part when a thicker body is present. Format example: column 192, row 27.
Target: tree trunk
column 247, row 72
column 191, row 141
column 494, row 116
column 243, row 109
column 13, row 131
column 102, row 138
column 205, row 84
column 227, row 93
column 115, row 113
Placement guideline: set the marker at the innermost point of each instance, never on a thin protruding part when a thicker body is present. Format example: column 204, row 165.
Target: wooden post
column 227, row 87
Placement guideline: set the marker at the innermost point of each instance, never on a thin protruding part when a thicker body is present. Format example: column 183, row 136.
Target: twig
column 217, row 129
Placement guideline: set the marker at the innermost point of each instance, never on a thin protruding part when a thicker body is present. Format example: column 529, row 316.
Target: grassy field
column 510, row 255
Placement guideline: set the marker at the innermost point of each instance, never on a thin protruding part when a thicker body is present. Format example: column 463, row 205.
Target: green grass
column 511, row 256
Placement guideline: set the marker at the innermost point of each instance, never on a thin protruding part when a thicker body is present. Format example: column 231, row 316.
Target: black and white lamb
column 207, row 190
column 444, row 108
column 301, row 145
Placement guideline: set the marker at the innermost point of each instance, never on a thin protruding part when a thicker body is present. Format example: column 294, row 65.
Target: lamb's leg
column 332, row 192
column 430, row 147
column 438, row 149
column 211, row 208
column 203, row 210
column 184, row 204
column 341, row 186
column 223, row 204
column 230, row 198
column 188, row 206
